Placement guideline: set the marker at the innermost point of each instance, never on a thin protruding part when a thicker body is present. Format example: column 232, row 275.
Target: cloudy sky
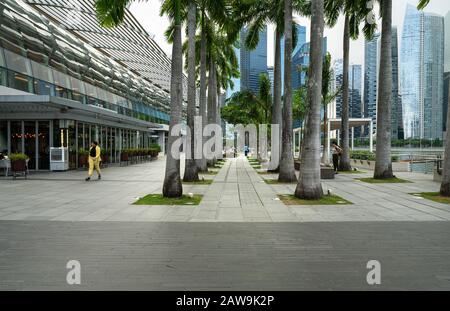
column 148, row 15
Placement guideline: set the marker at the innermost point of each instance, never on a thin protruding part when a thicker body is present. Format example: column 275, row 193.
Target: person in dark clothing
column 335, row 151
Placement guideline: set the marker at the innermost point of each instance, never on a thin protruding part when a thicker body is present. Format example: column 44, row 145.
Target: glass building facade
column 300, row 63
column 355, row 89
column 371, row 72
column 422, row 74
column 301, row 40
column 253, row 62
column 77, row 81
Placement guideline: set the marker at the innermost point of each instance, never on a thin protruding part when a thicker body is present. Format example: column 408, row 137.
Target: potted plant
column 83, row 155
column 124, row 154
column 155, row 149
column 104, row 154
column 19, row 163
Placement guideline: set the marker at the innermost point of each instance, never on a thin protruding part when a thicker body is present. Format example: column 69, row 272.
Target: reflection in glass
column 30, row 143
column 44, row 145
column 16, row 136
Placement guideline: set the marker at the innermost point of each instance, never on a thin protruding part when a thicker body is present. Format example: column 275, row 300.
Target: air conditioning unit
column 59, row 159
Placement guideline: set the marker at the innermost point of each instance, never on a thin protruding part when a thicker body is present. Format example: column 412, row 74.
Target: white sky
column 147, row 13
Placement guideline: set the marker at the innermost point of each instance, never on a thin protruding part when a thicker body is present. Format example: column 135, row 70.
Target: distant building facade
column 301, row 40
column 254, row 62
column 422, row 74
column 371, row 72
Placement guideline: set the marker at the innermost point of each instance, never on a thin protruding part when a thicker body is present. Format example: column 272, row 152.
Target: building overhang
column 50, row 107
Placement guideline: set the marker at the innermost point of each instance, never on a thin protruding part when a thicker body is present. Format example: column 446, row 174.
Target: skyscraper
column 371, row 71
column 301, row 40
column 254, row 62
column 422, row 74
column 300, row 63
column 355, row 88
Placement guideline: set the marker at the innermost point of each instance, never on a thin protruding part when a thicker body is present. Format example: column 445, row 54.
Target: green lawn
column 275, row 182
column 393, row 180
column 158, row 199
column 351, row 172
column 433, row 196
column 209, row 172
column 199, row 182
column 290, row 199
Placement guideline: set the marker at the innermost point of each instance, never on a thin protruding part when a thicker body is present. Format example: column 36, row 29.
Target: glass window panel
column 77, row 85
column 16, row 136
column 91, row 90
column 19, row 82
column 43, row 88
column 61, row 79
column 3, row 78
column 62, row 92
column 2, row 58
column 44, row 145
column 4, row 137
column 18, row 63
column 79, row 97
column 30, row 143
column 42, row 72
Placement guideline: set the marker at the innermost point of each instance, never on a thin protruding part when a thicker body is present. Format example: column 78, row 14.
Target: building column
column 328, row 141
column 371, row 136
column 353, row 138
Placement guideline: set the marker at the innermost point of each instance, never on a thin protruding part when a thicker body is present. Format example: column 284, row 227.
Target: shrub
column 17, row 156
column 156, row 147
column 82, row 152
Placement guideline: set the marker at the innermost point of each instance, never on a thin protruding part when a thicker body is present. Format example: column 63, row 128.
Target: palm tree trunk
column 191, row 170
column 201, row 163
column 219, row 119
column 276, row 108
column 326, row 147
column 211, row 98
column 309, row 186
column 172, row 187
column 445, row 184
column 383, row 164
column 287, row 170
column 344, row 163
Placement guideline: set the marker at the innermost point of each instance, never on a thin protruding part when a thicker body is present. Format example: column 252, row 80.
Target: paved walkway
column 224, row 256
column 238, row 194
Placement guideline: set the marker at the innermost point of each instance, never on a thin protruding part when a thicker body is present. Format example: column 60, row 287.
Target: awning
column 50, row 107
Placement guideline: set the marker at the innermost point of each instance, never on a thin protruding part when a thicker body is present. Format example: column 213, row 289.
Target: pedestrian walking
column 94, row 160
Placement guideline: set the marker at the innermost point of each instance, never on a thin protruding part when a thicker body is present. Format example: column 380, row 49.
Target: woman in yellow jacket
column 94, row 160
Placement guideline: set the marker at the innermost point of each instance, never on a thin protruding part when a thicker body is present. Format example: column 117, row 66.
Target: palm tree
column 309, row 186
column 111, row 13
column 383, row 164
column 355, row 12
column 191, row 169
column 258, row 13
column 287, row 170
column 327, row 98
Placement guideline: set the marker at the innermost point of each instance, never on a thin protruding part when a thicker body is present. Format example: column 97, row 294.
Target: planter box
column 82, row 160
column 19, row 166
column 326, row 173
column 370, row 165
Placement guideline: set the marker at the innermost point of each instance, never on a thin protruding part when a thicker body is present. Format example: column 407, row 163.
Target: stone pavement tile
column 230, row 214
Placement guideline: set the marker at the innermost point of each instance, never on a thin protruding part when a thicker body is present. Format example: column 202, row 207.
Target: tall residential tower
column 422, row 74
